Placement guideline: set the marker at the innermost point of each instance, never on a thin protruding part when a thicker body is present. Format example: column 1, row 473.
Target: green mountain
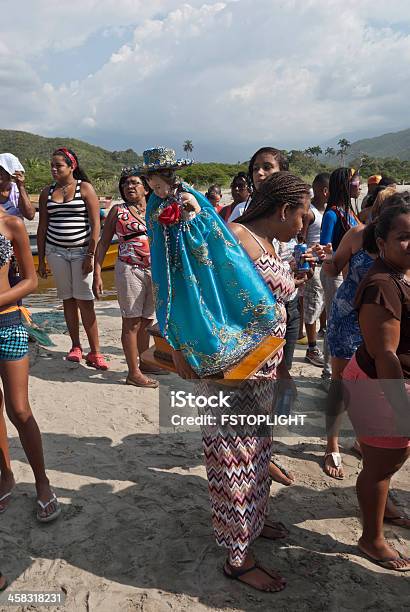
column 393, row 144
column 96, row 161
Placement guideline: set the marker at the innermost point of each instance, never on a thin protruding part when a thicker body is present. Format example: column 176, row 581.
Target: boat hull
column 109, row 259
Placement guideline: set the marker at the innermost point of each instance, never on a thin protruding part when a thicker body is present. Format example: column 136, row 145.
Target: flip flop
column 5, row 496
column 384, row 563
column 5, row 585
column 50, row 517
column 152, row 384
column 337, row 461
column 236, row 574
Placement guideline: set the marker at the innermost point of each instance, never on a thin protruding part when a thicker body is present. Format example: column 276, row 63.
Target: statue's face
column 159, row 186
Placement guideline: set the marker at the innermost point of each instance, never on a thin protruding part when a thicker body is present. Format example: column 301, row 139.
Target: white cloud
column 229, row 75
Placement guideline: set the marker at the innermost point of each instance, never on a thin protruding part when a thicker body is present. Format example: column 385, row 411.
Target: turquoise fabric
column 211, row 302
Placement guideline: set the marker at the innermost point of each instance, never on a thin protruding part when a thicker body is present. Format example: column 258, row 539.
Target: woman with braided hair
column 213, row 286
column 276, row 211
column 338, row 219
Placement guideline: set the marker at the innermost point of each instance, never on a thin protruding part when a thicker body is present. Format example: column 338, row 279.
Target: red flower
column 170, row 215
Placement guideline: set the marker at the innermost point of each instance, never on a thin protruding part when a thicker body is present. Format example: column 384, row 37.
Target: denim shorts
column 66, row 266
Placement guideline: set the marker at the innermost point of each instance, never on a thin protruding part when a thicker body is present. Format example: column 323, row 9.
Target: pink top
column 132, row 235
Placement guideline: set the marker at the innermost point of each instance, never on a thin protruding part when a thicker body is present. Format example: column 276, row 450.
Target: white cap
column 10, row 163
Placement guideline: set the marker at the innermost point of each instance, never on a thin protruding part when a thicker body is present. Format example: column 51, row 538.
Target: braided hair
column 277, row 154
column 242, row 176
column 277, row 190
column 339, row 190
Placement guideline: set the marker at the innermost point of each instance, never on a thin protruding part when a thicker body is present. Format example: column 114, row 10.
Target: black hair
column 125, row 177
column 215, row 188
column 243, row 176
column 385, row 181
column 321, row 180
column 339, row 191
column 78, row 173
column 394, row 206
column 277, row 154
column 278, row 189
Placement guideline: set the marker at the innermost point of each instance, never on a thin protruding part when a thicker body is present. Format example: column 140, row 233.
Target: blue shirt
column 332, row 229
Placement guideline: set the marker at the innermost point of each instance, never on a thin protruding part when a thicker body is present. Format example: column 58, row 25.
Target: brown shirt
column 383, row 286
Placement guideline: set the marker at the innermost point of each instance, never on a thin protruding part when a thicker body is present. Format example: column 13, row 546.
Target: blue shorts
column 13, row 343
column 13, row 337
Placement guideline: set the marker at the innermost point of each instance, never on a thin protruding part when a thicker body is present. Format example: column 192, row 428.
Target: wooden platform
column 160, row 355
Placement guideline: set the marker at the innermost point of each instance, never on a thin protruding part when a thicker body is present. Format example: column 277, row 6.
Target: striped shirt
column 68, row 223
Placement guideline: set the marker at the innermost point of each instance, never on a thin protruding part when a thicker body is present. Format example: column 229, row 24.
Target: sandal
column 150, row 384
column 53, row 515
column 387, row 563
column 75, row 354
column 5, row 583
column 337, row 463
column 2, row 499
column 236, row 574
column 97, row 361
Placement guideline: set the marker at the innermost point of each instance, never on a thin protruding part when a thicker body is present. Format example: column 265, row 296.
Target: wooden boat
column 160, row 355
column 109, row 259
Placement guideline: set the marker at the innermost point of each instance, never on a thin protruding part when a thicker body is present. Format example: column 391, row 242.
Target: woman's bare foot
column 383, row 553
column 279, row 474
column 7, row 484
column 256, row 576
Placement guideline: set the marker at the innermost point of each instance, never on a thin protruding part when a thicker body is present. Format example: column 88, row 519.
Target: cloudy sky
column 231, row 75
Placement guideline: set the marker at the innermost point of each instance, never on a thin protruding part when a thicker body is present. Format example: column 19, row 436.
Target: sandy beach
column 135, row 532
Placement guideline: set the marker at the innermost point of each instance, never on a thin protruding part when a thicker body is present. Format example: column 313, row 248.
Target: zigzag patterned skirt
column 238, row 477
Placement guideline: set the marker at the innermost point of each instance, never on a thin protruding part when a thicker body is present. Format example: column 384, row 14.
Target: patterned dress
column 343, row 330
column 238, row 466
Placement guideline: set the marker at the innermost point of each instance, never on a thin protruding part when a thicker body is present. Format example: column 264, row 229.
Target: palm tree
column 188, row 146
column 315, row 151
column 343, row 146
column 330, row 152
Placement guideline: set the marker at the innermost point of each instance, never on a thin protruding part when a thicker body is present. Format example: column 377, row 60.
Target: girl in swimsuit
column 14, row 366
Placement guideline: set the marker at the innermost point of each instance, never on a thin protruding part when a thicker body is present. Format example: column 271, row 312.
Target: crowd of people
column 236, row 265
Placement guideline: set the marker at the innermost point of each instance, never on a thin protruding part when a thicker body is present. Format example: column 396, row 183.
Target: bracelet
column 90, row 254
